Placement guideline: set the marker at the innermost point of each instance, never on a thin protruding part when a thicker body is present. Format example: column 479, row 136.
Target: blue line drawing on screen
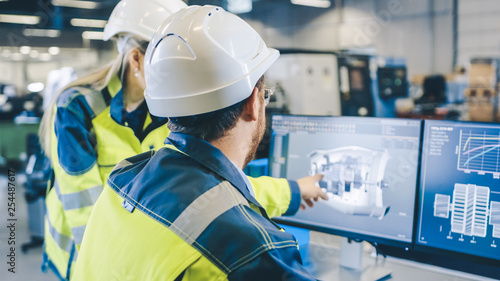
column 495, row 218
column 353, row 178
column 469, row 210
column 479, row 153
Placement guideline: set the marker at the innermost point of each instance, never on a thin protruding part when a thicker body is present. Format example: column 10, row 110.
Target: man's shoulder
column 129, row 168
column 70, row 94
column 203, row 209
column 166, row 171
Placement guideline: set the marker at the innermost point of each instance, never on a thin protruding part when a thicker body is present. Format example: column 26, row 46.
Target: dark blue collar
column 116, row 107
column 135, row 119
column 212, row 158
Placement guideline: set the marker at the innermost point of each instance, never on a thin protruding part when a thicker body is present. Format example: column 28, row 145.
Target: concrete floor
column 27, row 265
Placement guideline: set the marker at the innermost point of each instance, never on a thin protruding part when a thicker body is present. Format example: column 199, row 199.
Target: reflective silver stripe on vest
column 94, row 99
column 78, row 233
column 77, row 200
column 63, row 241
column 205, row 209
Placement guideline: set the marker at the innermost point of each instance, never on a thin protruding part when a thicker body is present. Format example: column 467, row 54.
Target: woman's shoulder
column 71, row 94
column 83, row 98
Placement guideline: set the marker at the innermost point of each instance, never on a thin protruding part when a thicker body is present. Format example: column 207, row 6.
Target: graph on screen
column 460, row 188
column 479, row 152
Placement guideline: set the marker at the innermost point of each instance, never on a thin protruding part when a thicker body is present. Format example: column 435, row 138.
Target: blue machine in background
column 391, row 83
column 370, row 85
column 338, row 83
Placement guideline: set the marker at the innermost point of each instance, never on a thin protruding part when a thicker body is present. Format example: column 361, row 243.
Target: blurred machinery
column 436, row 96
column 12, row 105
column 38, row 173
column 433, row 95
column 19, row 116
column 308, row 83
column 333, row 84
column 305, row 84
column 341, row 83
column 356, row 85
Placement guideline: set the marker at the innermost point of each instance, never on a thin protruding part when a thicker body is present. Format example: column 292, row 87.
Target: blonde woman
column 101, row 119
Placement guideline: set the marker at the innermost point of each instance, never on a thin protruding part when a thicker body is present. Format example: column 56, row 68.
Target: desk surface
column 322, row 258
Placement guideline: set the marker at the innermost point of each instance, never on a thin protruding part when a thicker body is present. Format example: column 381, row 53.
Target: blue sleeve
column 75, row 143
column 295, row 200
column 277, row 264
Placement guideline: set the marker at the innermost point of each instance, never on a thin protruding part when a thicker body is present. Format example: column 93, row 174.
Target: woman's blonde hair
column 97, row 80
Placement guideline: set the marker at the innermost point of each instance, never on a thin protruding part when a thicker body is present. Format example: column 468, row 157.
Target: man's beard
column 257, row 136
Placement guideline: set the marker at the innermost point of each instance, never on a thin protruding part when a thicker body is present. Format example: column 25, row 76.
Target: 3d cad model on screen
column 353, row 178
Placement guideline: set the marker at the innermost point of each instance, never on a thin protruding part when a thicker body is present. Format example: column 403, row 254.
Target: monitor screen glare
column 369, row 168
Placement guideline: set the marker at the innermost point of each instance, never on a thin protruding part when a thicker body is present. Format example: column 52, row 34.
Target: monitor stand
column 328, row 263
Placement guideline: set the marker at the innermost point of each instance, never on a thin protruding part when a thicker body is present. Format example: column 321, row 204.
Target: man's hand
column 310, row 191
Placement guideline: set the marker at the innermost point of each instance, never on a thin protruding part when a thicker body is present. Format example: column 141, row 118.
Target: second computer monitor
column 460, row 188
column 369, row 167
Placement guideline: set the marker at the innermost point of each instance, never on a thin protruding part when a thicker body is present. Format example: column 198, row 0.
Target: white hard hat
column 203, row 59
column 140, row 17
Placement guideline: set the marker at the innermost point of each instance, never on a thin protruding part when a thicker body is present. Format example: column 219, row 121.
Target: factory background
column 371, row 58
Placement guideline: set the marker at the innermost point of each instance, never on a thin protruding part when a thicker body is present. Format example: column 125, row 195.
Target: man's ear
column 134, row 59
column 251, row 107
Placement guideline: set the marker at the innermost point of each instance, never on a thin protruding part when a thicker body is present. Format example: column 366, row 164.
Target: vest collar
column 114, row 86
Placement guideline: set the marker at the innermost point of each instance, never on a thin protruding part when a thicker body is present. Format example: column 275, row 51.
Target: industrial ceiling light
column 88, row 23
column 19, row 19
column 92, row 35
column 24, row 50
column 76, row 4
column 313, row 3
column 35, row 87
column 33, row 32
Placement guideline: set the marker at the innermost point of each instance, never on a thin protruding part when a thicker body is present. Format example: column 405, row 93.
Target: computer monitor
column 459, row 197
column 370, row 168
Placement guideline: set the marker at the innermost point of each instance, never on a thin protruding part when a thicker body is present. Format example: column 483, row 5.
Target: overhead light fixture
column 88, row 23
column 92, row 35
column 54, row 51
column 19, row 19
column 313, row 3
column 35, row 87
column 76, row 4
column 33, row 32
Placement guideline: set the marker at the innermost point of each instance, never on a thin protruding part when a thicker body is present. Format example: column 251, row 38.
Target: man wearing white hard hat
column 95, row 122
column 102, row 118
column 187, row 212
